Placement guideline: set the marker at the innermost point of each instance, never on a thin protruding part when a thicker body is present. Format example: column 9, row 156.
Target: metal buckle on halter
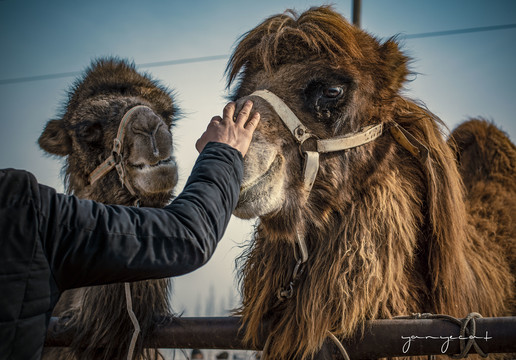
column 117, row 147
column 301, row 133
column 311, row 145
column 287, row 292
column 117, row 156
column 121, row 173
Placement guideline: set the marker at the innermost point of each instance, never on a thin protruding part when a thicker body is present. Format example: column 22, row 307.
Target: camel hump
column 484, row 153
column 487, row 162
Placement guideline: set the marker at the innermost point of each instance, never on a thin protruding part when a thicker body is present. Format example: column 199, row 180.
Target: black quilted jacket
column 51, row 242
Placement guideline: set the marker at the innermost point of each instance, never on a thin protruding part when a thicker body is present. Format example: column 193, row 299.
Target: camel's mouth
column 154, row 178
column 264, row 193
column 162, row 163
column 266, row 177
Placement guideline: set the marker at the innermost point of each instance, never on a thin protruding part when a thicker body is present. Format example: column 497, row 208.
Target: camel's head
column 90, row 123
column 336, row 79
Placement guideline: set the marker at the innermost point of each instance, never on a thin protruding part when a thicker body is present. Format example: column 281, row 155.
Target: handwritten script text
column 446, row 343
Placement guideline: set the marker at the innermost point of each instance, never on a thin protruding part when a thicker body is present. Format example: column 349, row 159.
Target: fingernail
column 249, row 102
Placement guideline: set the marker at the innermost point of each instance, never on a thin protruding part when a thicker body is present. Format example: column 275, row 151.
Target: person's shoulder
column 15, row 174
column 16, row 184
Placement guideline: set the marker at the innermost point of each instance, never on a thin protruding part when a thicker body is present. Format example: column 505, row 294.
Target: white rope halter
column 115, row 160
column 338, row 143
column 311, row 167
column 311, row 160
column 301, row 133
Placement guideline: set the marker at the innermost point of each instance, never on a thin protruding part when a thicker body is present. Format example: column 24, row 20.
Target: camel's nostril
column 152, row 134
column 155, row 150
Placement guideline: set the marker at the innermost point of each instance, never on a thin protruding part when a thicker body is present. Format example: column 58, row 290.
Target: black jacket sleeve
column 88, row 243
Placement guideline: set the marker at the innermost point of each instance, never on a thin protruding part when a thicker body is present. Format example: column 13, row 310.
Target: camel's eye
column 333, row 92
column 326, row 99
column 89, row 132
column 319, row 92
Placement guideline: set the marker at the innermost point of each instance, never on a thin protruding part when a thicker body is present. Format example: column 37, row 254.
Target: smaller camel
column 115, row 134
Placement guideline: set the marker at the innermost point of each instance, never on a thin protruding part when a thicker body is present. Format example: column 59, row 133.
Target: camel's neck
column 361, row 266
column 381, row 253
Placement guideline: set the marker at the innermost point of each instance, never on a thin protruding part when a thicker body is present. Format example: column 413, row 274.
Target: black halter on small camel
column 115, row 160
column 311, row 167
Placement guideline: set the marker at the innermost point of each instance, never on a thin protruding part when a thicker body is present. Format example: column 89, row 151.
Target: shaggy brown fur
column 84, row 135
column 386, row 234
column 487, row 163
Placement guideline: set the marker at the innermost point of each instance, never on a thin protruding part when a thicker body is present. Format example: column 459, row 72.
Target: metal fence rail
column 381, row 338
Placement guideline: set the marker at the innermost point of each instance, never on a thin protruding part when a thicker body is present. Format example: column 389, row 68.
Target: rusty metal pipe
column 381, row 338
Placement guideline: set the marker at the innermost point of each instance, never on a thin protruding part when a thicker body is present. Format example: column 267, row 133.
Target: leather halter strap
column 350, row 141
column 291, row 121
column 301, row 133
column 116, row 157
column 311, row 160
column 311, row 165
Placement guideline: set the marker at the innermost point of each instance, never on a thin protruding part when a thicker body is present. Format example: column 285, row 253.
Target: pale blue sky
column 459, row 75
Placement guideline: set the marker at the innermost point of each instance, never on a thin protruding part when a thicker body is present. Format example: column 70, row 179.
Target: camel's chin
column 257, row 204
column 156, row 179
column 262, row 195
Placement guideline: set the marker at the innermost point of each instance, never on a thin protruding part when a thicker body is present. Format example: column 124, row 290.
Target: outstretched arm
column 88, row 243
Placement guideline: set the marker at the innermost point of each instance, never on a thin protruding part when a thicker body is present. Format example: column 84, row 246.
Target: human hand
column 236, row 132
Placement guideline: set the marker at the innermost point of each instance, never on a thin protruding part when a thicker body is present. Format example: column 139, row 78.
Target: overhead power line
column 184, row 61
column 459, row 31
column 219, row 57
column 147, row 65
column 39, row 77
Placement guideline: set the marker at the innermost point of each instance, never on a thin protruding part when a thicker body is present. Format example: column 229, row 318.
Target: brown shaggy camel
column 361, row 205
column 112, row 91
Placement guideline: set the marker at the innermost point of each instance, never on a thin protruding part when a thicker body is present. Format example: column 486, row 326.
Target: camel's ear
column 395, row 64
column 55, row 140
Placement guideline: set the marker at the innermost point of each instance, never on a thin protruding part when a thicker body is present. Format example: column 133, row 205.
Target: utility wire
column 39, row 77
column 146, row 65
column 219, row 57
column 183, row 61
column 459, row 31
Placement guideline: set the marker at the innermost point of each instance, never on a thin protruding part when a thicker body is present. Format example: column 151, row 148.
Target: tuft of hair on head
column 319, row 33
